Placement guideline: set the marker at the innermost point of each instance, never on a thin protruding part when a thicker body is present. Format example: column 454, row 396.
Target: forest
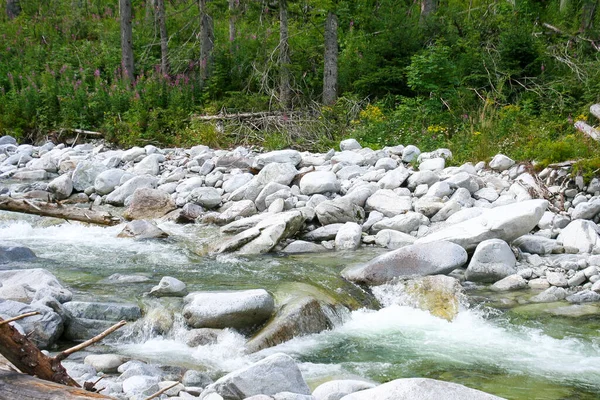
column 479, row 77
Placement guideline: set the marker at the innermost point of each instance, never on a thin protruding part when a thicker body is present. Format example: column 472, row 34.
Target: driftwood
column 163, row 390
column 588, row 130
column 595, row 110
column 14, row 385
column 241, row 116
column 25, row 356
column 57, row 210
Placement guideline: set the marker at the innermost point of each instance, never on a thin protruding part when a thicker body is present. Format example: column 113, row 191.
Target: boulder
column 420, row 389
column 273, row 374
column 237, row 209
column 587, row 210
column 85, row 174
column 504, row 222
column 142, row 229
column 13, row 252
column 236, row 181
column 346, row 144
column 103, row 311
column 535, row 244
column 107, row 363
column 43, row 329
column 150, row 165
column 266, row 234
column 207, row 197
column 550, row 295
column 339, row 210
column 408, row 222
column 80, row 329
column 24, row 285
column 348, row 237
column 149, row 203
column 107, row 180
column 301, row 246
column 410, row 153
column 233, row 309
column 393, row 239
column 335, row 390
column 118, row 196
column 388, row 203
column 62, row 187
column 500, row 162
column 169, row 287
column 394, row 179
column 417, row 259
column 319, row 182
column 580, row 234
column 327, row 232
column 511, row 282
column 493, row 260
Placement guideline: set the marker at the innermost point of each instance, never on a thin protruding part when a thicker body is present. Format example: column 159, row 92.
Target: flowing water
column 498, row 343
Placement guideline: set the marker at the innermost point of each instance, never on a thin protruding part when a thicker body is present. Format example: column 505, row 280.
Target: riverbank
column 343, row 207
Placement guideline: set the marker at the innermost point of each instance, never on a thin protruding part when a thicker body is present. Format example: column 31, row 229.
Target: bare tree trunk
column 330, row 70
column 207, row 40
column 232, row 17
column 126, row 40
column 588, row 9
column 428, row 7
column 164, row 38
column 285, row 92
column 13, row 8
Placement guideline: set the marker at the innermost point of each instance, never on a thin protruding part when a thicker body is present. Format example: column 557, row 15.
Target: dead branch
column 161, row 391
column 29, row 314
column 87, row 343
column 45, row 209
column 588, row 130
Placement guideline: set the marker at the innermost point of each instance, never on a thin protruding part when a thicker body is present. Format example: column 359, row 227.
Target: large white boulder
column 319, row 182
column 580, row 234
column 493, row 260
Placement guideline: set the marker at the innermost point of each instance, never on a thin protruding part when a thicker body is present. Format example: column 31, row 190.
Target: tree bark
column 14, row 385
column 207, row 40
column 58, row 211
column 13, row 8
column 127, row 63
column 164, row 38
column 330, row 70
column 285, row 92
column 232, row 18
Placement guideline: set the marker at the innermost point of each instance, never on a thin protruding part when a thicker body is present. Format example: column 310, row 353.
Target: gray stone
column 196, row 378
column 500, row 162
column 349, row 157
column 280, row 156
column 103, row 311
column 580, row 234
column 274, row 374
column 206, row 197
column 339, row 210
column 13, row 252
column 34, row 175
column 190, row 184
column 43, row 329
column 268, row 190
column 464, row 180
column 327, row 232
column 6, row 139
column 118, row 196
column 420, row 389
column 505, row 222
column 393, row 239
column 319, row 182
column 271, row 231
column 493, row 260
column 585, row 296
column 141, row 384
column 149, row 203
column 557, row 279
column 486, row 193
column 432, row 164
column 107, row 363
column 586, row 210
column 348, row 237
column 577, row 279
column 62, row 187
column 388, row 203
column 428, row 206
column 512, row 282
column 169, row 287
column 107, row 180
column 202, row 337
column 24, row 285
column 347, row 144
column 142, row 229
column 236, row 181
column 386, row 163
column 301, row 246
column 233, row 309
column 133, row 154
column 422, row 178
column 150, row 165
column 534, row 244
column 410, row 153
column 335, row 390
column 416, row 259
column 85, row 174
column 450, row 208
column 238, row 209
column 394, row 179
column 550, row 295
column 406, row 223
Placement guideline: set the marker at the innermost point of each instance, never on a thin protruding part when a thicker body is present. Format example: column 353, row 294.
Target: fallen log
column 595, row 110
column 588, row 130
column 57, row 210
column 14, row 385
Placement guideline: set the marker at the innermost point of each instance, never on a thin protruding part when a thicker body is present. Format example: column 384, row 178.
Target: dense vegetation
column 478, row 76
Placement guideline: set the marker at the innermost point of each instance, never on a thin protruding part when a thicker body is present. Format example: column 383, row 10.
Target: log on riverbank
column 14, row 385
column 58, row 210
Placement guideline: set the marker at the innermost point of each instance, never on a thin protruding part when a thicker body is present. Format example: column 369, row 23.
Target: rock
column 80, row 329
column 335, row 390
column 432, row 164
column 557, row 279
column 348, row 237
column 150, row 165
column 535, row 244
column 196, row 378
column 6, row 139
column 133, row 154
column 13, row 252
column 349, row 157
column 586, row 210
column 580, row 234
column 189, row 185
column 393, row 239
column 280, row 156
column 319, row 182
column 107, row 180
column 327, row 232
column 234, row 309
column 142, row 229
column 34, row 175
column 577, row 279
column 278, row 173
column 394, row 179
column 511, row 282
column 169, row 287
column 550, row 295
column 493, row 260
column 347, row 144
column 585, row 296
column 416, row 259
column 428, row 206
column 266, row 234
column 141, row 384
column 505, row 222
column 410, row 153
column 207, row 197
column 420, row 389
column 268, row 190
column 103, row 311
column 85, row 174
column 43, row 329
column 24, row 285
column 500, row 162
column 107, row 363
column 237, row 209
column 149, row 203
column 202, row 337
column 339, row 210
column 440, row 295
column 304, row 310
column 388, row 203
column 62, row 187
column 117, row 197
column 236, row 181
column 301, row 246
column 274, row 374
column 408, row 222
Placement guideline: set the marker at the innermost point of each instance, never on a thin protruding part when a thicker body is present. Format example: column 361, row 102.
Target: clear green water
column 500, row 344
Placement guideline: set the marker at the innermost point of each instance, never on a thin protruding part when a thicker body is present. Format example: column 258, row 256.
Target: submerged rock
column 11, row 252
column 240, row 309
column 413, row 260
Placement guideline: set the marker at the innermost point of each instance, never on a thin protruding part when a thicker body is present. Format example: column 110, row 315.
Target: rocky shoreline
column 447, row 228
